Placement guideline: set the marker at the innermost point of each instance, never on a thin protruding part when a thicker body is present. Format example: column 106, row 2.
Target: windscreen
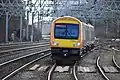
column 66, row 31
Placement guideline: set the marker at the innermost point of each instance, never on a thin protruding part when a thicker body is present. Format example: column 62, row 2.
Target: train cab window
column 66, row 31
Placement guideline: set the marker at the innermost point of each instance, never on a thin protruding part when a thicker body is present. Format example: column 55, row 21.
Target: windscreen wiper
column 65, row 32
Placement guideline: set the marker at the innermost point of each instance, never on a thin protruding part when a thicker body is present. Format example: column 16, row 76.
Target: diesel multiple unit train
column 70, row 38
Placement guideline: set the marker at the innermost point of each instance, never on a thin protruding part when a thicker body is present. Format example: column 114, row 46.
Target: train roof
column 66, row 17
column 88, row 25
column 75, row 19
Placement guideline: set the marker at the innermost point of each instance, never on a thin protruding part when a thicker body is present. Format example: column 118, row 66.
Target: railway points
column 86, row 66
column 107, row 65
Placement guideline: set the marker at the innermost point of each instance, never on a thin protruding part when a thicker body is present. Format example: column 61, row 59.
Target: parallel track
column 25, row 56
column 12, row 55
column 17, row 43
column 25, row 65
column 35, row 57
column 22, row 44
column 24, row 48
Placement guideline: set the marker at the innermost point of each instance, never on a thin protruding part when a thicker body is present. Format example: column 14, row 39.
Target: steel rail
column 100, row 69
column 115, row 49
column 113, row 58
column 5, row 51
column 15, row 43
column 22, row 67
column 114, row 61
column 24, row 44
column 107, row 49
column 50, row 72
column 23, row 57
column 74, row 71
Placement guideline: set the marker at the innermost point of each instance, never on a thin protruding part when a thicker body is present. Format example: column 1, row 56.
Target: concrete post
column 39, row 31
column 6, row 37
column 118, row 31
column 32, row 27
column 27, row 25
column 21, row 27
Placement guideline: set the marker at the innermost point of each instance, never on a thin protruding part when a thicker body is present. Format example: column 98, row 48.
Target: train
column 70, row 38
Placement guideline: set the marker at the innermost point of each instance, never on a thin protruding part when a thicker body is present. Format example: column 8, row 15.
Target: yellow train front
column 66, row 39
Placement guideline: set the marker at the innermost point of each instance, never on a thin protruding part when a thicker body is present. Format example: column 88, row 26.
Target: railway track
column 22, row 48
column 20, row 63
column 73, row 76
column 100, row 69
column 75, row 68
column 113, row 58
column 115, row 63
column 114, row 69
column 11, row 55
column 73, row 73
column 68, row 74
column 14, row 43
column 51, row 71
column 21, row 57
column 2, row 48
column 87, row 69
column 17, row 43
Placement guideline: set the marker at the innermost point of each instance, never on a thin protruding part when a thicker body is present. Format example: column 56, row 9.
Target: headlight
column 77, row 44
column 54, row 43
